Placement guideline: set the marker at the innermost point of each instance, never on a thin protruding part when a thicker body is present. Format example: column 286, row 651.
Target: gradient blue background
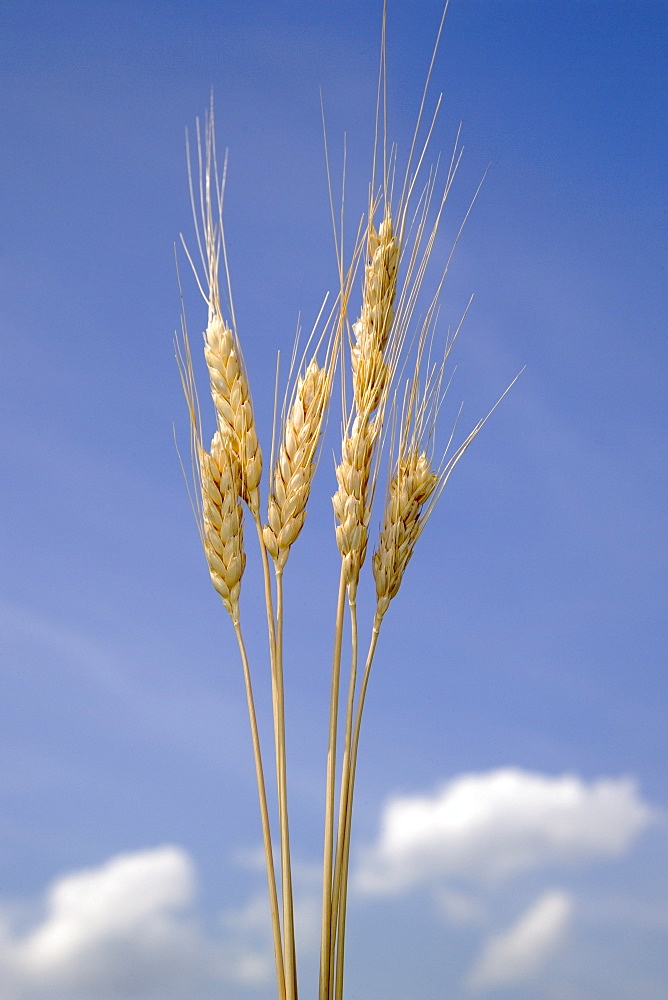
column 531, row 628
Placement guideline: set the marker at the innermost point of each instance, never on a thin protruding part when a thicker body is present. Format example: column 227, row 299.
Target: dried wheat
column 351, row 500
column 231, row 397
column 222, row 527
column 295, row 466
column 371, row 376
column 410, row 489
column 372, row 329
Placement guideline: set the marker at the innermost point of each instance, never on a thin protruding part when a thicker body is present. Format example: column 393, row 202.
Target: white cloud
column 521, row 952
column 495, row 824
column 106, row 929
column 125, row 931
column 131, row 894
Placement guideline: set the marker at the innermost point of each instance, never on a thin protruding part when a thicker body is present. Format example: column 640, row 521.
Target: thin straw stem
column 264, row 813
column 345, row 782
column 325, row 941
column 268, row 598
column 349, row 810
column 271, row 627
column 281, row 772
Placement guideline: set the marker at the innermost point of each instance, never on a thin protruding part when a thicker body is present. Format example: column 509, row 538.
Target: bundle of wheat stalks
column 391, row 390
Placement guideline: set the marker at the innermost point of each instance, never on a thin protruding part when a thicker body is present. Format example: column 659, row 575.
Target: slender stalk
column 264, row 813
column 345, row 785
column 340, row 950
column 277, row 700
column 281, row 771
column 325, row 941
column 269, row 603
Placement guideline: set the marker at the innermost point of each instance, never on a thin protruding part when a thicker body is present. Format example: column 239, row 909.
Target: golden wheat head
column 295, row 466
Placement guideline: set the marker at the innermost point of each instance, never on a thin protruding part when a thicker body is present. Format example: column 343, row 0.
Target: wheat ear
column 229, row 383
column 351, row 501
column 373, row 327
column 222, row 521
column 231, row 397
column 295, row 466
column 371, row 377
column 410, row 489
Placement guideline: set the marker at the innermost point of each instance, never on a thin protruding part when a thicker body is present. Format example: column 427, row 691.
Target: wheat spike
column 222, row 527
column 371, row 377
column 351, row 500
column 231, row 397
column 372, row 329
column 295, row 466
column 229, row 383
column 411, row 488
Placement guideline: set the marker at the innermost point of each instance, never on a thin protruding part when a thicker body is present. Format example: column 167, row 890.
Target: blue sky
column 518, row 703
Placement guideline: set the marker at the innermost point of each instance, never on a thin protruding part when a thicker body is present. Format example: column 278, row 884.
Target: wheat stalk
column 218, row 512
column 371, row 375
column 293, row 475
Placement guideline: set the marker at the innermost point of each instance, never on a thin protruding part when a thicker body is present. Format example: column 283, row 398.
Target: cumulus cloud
column 124, row 931
column 522, row 951
column 106, row 928
column 492, row 825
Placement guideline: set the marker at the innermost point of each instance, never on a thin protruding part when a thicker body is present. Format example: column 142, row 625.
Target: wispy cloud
column 460, row 908
column 521, row 952
column 29, row 629
column 500, row 823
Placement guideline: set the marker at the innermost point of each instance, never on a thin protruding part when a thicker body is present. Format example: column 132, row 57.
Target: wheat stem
column 338, row 919
column 281, row 771
column 278, row 725
column 325, row 940
column 269, row 605
column 264, row 813
column 345, row 851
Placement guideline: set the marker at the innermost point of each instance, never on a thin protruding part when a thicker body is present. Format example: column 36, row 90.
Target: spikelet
column 222, row 527
column 372, row 329
column 410, row 489
column 231, row 397
column 295, row 466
